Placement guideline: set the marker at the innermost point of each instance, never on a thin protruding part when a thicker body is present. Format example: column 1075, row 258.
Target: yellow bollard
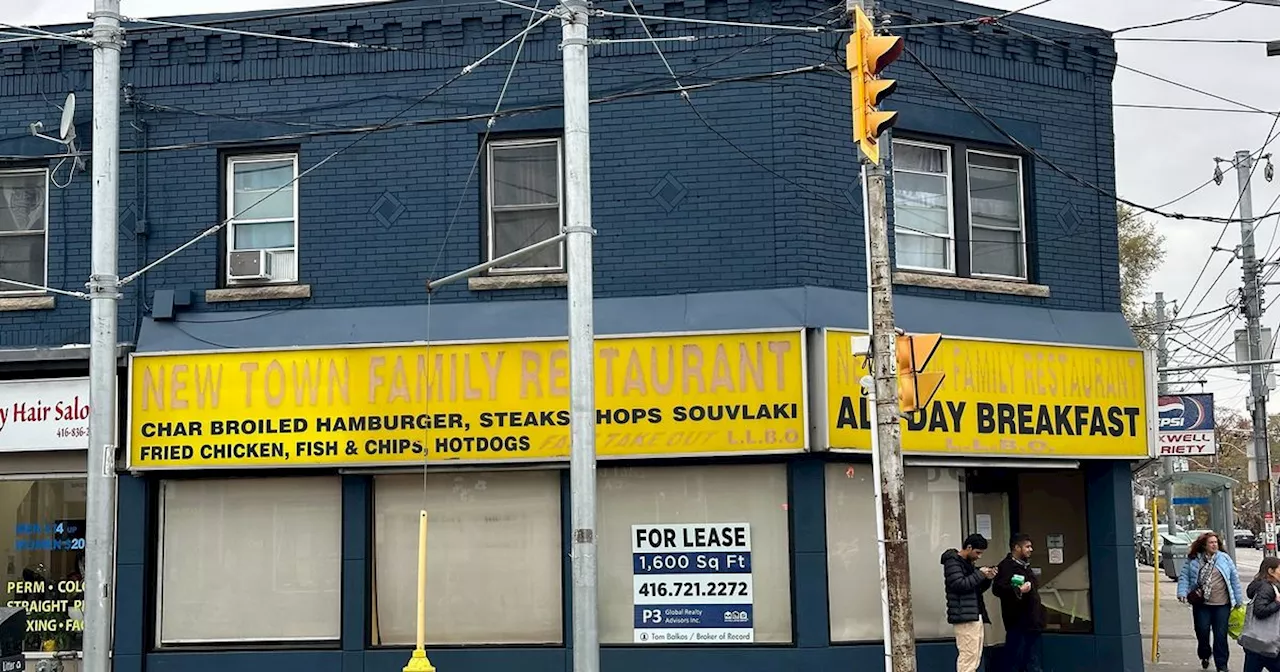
column 418, row 661
column 1155, row 602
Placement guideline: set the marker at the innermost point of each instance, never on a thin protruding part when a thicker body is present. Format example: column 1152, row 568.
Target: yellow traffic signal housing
column 916, row 386
column 865, row 56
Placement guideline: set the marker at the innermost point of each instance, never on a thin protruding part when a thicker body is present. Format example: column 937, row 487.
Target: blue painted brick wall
column 765, row 169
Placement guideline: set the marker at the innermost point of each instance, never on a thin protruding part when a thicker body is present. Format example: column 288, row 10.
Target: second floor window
column 24, row 229
column 262, row 204
column 524, row 203
column 959, row 211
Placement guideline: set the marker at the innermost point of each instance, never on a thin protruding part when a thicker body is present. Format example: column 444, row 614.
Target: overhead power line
column 219, row 226
column 1059, row 169
column 1194, row 17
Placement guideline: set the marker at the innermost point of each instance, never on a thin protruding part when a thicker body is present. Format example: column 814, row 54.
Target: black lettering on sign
column 258, row 426
column 165, row 453
column 628, row 416
column 153, row 430
column 720, row 412
column 849, row 418
column 243, row 451
column 482, row 444
column 524, row 419
column 938, row 416
column 313, row 449
column 390, row 423
column 1057, row 420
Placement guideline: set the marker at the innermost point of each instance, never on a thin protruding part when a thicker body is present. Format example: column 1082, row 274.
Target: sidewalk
column 1177, row 638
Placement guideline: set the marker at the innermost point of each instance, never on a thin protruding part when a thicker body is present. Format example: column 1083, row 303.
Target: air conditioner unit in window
column 249, row 265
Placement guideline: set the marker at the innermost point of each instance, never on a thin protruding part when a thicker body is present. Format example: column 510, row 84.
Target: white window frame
column 1022, row 213
column 490, row 208
column 44, row 279
column 229, row 187
column 951, row 208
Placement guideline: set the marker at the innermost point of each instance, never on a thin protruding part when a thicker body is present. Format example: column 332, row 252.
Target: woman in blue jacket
column 1210, row 582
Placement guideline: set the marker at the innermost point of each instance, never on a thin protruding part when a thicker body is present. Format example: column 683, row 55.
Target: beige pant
column 969, row 642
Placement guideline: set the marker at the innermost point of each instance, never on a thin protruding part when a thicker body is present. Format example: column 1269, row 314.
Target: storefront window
column 494, row 557
column 250, row 559
column 43, row 535
column 853, row 559
column 684, row 500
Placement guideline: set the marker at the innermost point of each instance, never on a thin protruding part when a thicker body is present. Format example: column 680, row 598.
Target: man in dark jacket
column 966, row 612
column 1018, row 588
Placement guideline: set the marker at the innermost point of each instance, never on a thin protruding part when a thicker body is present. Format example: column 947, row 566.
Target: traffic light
column 916, row 386
column 866, row 55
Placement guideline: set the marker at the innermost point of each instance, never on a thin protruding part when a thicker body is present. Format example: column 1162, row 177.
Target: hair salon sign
column 50, row 414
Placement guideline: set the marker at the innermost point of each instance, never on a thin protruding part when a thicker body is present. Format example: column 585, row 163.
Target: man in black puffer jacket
column 966, row 611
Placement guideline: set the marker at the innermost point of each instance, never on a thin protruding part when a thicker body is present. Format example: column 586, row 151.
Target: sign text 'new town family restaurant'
column 671, row 395
column 655, row 396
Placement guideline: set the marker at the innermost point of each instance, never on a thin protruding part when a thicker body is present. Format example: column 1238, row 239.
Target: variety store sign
column 51, row 414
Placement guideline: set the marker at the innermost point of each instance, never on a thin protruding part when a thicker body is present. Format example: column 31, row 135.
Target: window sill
column 261, row 293
column 971, row 284
column 18, row 303
column 489, row 283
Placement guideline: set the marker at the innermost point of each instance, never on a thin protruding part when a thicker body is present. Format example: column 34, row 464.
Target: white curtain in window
column 922, row 207
column 853, row 569
column 525, row 200
column 754, row 494
column 494, row 557
column 22, row 201
column 995, row 211
column 250, row 559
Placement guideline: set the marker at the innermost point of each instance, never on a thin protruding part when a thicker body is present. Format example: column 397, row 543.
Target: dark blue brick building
column 346, row 167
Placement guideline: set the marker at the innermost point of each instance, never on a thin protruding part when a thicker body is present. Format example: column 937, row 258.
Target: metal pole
column 1166, row 463
column 1221, row 365
column 496, row 261
column 582, row 411
column 104, row 293
column 1253, row 324
column 895, row 571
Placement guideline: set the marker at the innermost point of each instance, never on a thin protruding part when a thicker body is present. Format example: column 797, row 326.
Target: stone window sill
column 18, row 303
column 266, row 293
column 971, row 284
column 488, row 283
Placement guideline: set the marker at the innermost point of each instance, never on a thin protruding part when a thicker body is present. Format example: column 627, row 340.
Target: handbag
column 1261, row 635
column 1195, row 596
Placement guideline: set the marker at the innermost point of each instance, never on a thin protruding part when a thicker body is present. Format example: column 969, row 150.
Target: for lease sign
column 51, row 414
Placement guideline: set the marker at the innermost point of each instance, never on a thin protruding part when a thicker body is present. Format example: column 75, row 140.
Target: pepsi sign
column 1186, row 424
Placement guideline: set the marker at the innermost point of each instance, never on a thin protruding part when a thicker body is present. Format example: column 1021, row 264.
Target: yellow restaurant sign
column 655, row 396
column 1001, row 398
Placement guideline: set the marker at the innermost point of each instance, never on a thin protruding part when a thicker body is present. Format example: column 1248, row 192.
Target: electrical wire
column 1176, row 320
column 1053, row 165
column 977, row 20
column 219, row 226
column 1185, row 108
column 23, row 30
column 1194, row 17
column 475, row 164
column 1190, row 40
column 483, row 116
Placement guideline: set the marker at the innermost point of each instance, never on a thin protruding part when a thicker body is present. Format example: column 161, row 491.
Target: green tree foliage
column 1141, row 253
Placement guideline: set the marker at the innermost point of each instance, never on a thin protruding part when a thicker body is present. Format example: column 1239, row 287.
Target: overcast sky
column 1160, row 154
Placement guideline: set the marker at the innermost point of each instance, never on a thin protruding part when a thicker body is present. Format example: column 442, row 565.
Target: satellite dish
column 68, row 117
